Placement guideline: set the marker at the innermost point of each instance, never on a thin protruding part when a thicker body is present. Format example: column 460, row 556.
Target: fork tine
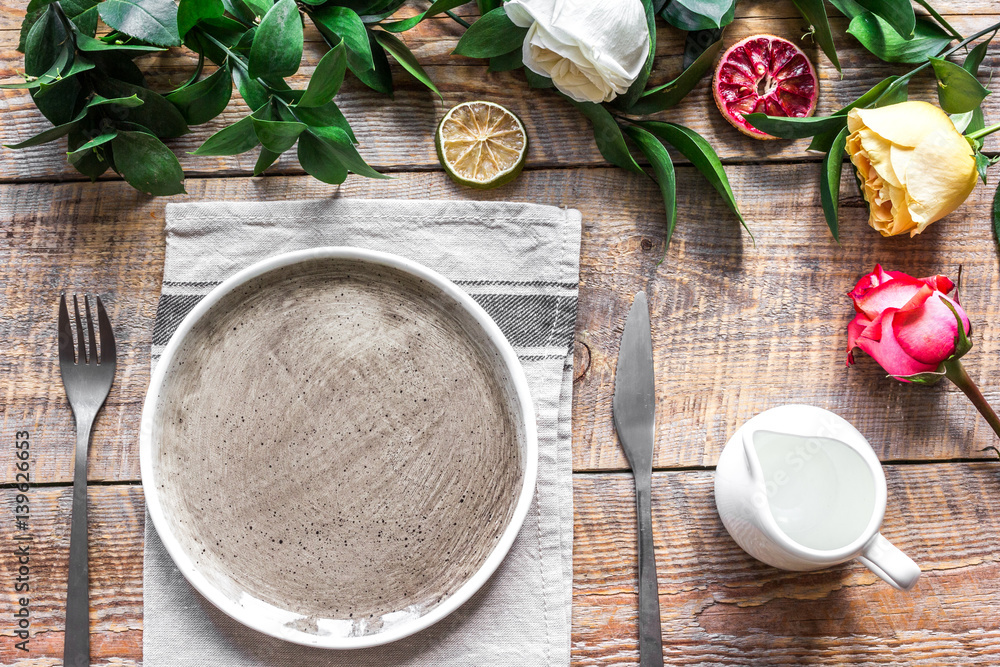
column 80, row 342
column 107, row 335
column 65, row 333
column 90, row 330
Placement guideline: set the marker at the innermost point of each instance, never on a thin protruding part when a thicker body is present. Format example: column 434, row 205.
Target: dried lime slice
column 481, row 144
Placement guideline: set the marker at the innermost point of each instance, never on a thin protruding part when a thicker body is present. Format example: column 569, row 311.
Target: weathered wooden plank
column 398, row 134
column 718, row 605
column 116, row 518
column 738, row 328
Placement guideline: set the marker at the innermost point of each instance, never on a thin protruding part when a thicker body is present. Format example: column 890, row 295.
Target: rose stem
column 979, row 134
column 901, row 81
column 458, row 19
column 955, row 372
column 940, row 19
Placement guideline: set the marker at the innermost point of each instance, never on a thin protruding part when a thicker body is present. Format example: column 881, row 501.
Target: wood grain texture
column 718, row 605
column 399, row 136
column 116, row 519
column 738, row 328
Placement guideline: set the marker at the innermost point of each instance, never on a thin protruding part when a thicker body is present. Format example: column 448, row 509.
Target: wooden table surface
column 737, row 327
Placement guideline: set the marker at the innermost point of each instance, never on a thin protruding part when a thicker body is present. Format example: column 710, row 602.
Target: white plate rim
column 403, row 628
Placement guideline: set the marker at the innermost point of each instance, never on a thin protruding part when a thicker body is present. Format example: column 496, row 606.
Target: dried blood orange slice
column 765, row 74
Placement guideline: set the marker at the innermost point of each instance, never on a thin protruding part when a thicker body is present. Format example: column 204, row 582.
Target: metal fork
column 87, row 379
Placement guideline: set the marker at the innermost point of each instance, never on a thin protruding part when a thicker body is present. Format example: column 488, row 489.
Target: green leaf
column 237, row 138
column 343, row 24
column 639, row 85
column 344, row 151
column 96, row 141
column 608, row 136
column 147, row 164
column 264, row 160
column 58, row 100
column 699, row 14
column 982, row 164
column 976, row 120
column 83, row 14
column 324, row 116
column 878, row 37
column 251, row 90
column 996, row 215
column 663, row 172
column 670, row 94
column 897, row 13
column 958, row 90
column 373, row 12
column 44, row 43
column 258, row 8
column 494, row 34
column 962, row 120
column 189, row 12
column 814, row 11
column 435, row 8
column 962, row 342
column 926, row 379
column 326, row 78
column 31, row 17
column 277, row 45
column 113, row 65
column 507, row 62
column 49, row 135
column 871, row 98
column 129, row 102
column 405, row 57
column 202, row 101
column 277, row 135
column 975, row 57
column 701, row 154
column 56, row 73
column 93, row 163
column 90, row 44
column 153, row 21
column 318, row 159
column 156, row 113
column 794, row 128
column 829, row 185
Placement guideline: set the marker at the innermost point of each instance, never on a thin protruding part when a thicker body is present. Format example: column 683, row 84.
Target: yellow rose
column 914, row 166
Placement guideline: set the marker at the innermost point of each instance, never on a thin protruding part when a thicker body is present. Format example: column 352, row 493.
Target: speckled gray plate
column 338, row 447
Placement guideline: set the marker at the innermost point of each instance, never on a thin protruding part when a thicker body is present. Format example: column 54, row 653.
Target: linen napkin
column 521, row 263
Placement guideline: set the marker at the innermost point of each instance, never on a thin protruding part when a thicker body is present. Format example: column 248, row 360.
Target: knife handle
column 650, row 642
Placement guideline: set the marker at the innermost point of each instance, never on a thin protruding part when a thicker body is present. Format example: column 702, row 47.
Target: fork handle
column 76, row 641
column 650, row 641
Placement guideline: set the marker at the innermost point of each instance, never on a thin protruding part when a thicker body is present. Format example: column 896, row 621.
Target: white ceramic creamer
column 800, row 488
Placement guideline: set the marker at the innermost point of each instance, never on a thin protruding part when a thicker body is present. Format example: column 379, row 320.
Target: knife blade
column 633, row 409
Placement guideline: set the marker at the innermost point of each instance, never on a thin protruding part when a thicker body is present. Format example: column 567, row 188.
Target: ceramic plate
column 338, row 447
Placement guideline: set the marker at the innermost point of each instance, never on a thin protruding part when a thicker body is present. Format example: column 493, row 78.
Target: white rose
column 591, row 49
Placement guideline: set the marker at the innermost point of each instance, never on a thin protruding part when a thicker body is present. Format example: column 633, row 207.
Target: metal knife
column 633, row 408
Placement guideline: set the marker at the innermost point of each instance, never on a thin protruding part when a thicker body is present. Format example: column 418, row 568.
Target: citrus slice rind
column 481, row 144
column 764, row 74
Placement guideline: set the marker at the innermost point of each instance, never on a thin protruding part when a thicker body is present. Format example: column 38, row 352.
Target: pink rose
column 903, row 322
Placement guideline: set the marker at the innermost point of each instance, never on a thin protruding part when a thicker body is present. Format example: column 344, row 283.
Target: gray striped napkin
column 521, row 263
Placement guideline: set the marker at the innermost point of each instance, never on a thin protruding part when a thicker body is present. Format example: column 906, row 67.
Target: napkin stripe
column 527, row 320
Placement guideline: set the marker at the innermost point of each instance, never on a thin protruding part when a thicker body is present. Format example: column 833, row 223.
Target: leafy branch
column 959, row 93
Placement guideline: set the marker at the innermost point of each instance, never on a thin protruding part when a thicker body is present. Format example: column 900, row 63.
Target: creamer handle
column 889, row 563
